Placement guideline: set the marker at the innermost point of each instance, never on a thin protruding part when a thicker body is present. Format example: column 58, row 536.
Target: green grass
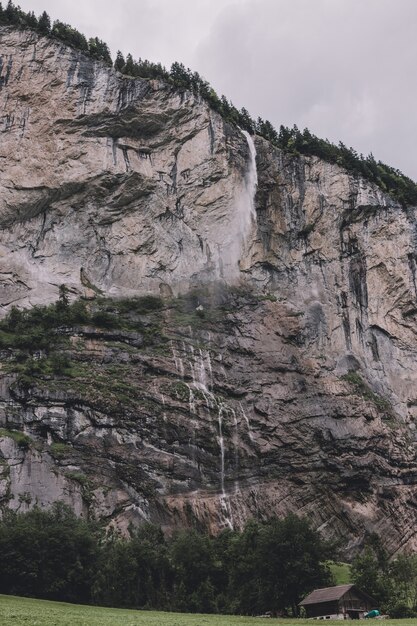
column 341, row 573
column 22, row 440
column 362, row 389
column 29, row 612
column 25, row 611
column 60, row 450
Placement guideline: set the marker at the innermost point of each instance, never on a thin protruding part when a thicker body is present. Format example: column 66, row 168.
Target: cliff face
column 109, row 182
column 283, row 377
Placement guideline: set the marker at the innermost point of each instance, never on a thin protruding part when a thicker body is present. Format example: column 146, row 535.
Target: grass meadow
column 28, row 612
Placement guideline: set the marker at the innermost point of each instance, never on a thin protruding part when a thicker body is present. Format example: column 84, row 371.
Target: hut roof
column 327, row 594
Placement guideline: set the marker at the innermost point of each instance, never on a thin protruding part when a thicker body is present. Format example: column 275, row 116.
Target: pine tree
column 31, row 20
column 119, row 62
column 99, row 50
column 225, row 106
column 12, row 13
column 246, row 121
column 129, row 67
column 63, row 296
column 180, row 76
column 44, row 24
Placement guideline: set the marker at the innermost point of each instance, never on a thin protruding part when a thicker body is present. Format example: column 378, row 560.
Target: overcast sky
column 346, row 69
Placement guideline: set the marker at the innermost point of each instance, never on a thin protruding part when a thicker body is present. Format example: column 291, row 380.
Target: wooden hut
column 340, row 602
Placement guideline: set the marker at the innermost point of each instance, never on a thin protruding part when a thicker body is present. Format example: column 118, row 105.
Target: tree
column 246, row 122
column 31, row 20
column 119, row 62
column 14, row 319
column 244, row 586
column 368, row 573
column 99, row 50
column 180, row 76
column 274, row 564
column 392, row 583
column 63, row 296
column 284, row 136
column 301, row 554
column 47, row 554
column 44, row 24
column 129, row 67
column 11, row 13
column 146, row 69
column 153, row 569
column 192, row 559
column 69, row 35
column 115, row 578
column 266, row 129
column 402, row 573
column 62, row 304
column 225, row 106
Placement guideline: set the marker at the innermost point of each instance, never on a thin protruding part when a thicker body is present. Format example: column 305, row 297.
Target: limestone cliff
column 282, row 377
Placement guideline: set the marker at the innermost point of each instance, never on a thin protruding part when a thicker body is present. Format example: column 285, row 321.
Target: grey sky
column 346, row 69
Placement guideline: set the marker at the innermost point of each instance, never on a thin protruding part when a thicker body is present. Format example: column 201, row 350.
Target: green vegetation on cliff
column 291, row 140
column 14, row 16
column 44, row 348
column 92, row 353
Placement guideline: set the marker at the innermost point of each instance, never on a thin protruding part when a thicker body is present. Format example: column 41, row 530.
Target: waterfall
column 196, row 363
column 224, row 499
column 233, row 249
column 251, row 178
column 179, row 365
column 191, row 400
column 236, row 447
column 246, row 418
column 245, row 201
column 221, row 444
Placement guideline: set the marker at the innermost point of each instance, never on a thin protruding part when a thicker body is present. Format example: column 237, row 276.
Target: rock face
column 284, row 381
column 108, row 182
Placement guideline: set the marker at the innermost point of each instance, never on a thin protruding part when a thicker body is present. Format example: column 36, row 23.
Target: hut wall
column 322, row 608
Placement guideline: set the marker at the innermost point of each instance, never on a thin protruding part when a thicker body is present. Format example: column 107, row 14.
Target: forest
column 291, row 140
column 268, row 566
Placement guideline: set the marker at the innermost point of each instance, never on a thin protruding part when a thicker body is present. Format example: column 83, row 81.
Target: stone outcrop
column 282, row 378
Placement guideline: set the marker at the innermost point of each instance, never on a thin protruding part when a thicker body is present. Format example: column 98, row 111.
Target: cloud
column 343, row 68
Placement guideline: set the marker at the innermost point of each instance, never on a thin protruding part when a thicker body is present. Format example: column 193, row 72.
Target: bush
column 103, row 319
column 141, row 306
column 22, row 440
column 60, row 363
column 401, row 611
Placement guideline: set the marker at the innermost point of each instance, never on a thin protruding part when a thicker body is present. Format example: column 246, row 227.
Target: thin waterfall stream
column 198, row 361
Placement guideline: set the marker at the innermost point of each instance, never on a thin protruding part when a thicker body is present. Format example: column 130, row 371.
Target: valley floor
column 29, row 612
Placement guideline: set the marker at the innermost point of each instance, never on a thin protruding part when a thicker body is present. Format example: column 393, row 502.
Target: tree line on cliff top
column 292, row 140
